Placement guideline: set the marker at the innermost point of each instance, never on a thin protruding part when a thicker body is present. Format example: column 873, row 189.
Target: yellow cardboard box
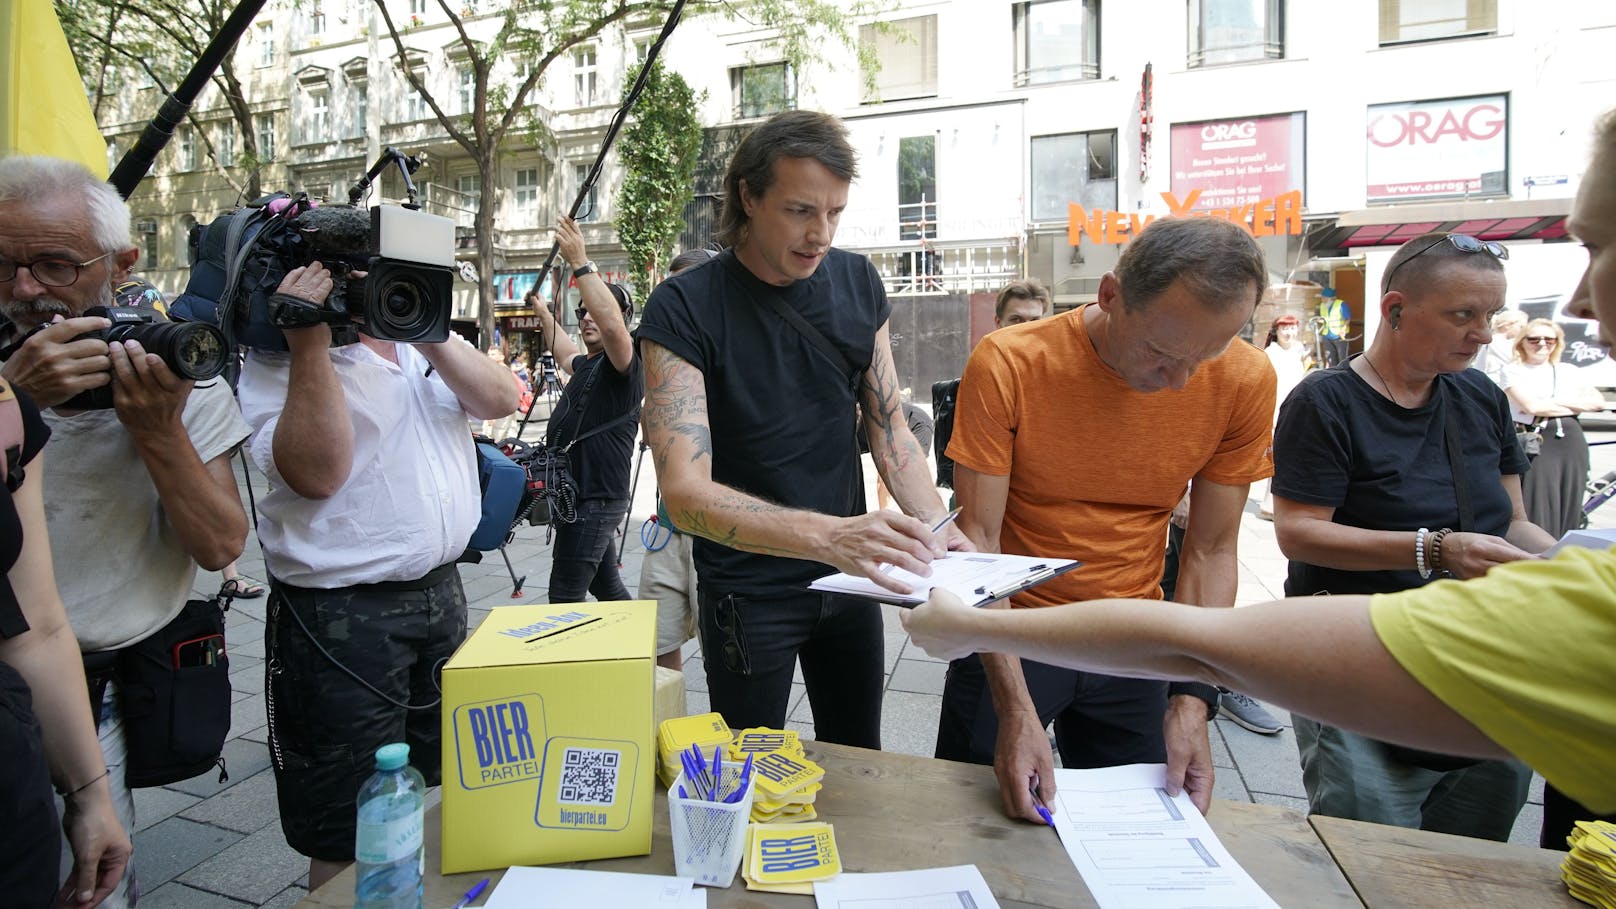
column 547, row 736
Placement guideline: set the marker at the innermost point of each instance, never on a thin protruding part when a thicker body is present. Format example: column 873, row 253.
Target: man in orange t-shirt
column 1074, row 438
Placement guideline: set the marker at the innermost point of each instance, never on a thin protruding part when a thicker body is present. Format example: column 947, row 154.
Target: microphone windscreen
column 339, row 229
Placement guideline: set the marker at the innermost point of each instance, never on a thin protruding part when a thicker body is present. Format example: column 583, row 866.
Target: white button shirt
column 411, row 500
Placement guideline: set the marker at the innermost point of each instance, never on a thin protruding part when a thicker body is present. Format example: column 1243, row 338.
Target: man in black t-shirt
column 751, row 418
column 598, row 411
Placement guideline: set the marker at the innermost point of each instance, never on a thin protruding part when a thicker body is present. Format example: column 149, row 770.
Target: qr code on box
column 589, row 776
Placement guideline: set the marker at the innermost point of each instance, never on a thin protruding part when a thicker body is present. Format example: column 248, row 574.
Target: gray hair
column 35, row 179
column 1219, row 261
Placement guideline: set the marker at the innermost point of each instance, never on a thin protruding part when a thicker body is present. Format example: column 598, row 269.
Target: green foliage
column 659, row 150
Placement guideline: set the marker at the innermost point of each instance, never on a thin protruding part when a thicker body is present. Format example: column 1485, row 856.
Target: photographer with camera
column 372, row 496
column 599, row 410
column 139, row 493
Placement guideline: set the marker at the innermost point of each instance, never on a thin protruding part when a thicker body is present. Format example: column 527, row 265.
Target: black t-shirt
column 34, row 434
column 782, row 415
column 1341, row 445
column 600, row 463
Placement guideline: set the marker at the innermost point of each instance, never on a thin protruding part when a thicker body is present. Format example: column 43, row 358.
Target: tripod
column 546, row 385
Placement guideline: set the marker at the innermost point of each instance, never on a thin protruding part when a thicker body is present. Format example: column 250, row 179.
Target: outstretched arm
column 1318, row 656
column 898, row 457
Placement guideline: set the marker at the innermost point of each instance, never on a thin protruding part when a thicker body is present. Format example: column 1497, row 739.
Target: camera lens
column 193, row 350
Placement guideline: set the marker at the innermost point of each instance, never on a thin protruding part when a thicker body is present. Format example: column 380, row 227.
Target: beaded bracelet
column 1419, row 552
column 92, row 781
column 1436, row 548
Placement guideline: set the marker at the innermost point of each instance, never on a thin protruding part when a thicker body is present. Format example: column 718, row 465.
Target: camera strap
column 583, row 405
column 850, row 374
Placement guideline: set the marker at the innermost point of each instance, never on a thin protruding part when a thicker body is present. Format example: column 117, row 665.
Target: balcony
column 938, row 269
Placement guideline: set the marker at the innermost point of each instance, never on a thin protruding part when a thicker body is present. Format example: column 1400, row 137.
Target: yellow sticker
column 762, row 740
column 794, row 853
column 778, row 773
column 588, row 784
column 681, row 732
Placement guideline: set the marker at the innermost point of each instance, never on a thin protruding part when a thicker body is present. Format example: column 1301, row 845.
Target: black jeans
column 1100, row 720
column 585, row 556
column 750, row 646
column 29, row 836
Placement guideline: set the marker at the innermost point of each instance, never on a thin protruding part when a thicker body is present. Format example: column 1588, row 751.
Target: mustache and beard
column 42, row 310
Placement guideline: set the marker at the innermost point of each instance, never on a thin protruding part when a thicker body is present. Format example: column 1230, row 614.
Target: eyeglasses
column 50, row 271
column 1549, row 340
column 732, row 647
column 580, row 312
column 1461, row 242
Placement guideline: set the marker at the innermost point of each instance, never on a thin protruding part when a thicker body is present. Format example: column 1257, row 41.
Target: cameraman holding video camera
column 372, row 496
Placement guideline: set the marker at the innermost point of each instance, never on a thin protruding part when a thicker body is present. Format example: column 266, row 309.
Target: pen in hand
column 942, row 522
column 1038, row 803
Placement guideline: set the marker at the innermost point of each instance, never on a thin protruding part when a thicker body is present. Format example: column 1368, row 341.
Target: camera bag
column 503, row 483
column 176, row 697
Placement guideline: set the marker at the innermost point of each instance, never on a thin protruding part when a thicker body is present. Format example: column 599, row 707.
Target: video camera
column 407, row 256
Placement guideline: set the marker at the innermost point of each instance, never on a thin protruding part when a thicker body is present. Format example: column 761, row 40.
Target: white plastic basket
column 709, row 837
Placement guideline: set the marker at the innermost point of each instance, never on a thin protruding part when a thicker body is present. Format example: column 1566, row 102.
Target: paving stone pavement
column 202, row 844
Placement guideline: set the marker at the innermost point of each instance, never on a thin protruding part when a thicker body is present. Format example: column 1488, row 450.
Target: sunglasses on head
column 1461, row 242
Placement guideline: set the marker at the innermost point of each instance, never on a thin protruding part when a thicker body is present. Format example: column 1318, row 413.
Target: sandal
column 241, row 587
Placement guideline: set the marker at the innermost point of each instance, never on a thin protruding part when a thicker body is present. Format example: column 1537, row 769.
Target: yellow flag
column 43, row 108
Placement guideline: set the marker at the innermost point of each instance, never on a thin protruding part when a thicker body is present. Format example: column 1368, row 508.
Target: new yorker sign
column 1274, row 216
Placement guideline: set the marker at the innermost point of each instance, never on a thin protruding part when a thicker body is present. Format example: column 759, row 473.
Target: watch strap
column 1207, row 693
column 587, row 268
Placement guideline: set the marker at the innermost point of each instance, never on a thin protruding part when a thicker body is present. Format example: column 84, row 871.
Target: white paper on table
column 1137, row 846
column 959, row 887
column 524, row 888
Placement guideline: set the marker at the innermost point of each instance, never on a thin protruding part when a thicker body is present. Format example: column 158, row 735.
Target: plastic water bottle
column 388, row 854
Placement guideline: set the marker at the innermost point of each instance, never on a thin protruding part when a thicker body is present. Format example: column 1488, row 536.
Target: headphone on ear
column 1396, row 313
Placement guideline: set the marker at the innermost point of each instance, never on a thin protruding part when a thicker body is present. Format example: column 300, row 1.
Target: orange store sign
column 1276, row 216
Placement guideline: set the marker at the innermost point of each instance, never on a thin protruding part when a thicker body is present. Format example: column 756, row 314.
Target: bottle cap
column 392, row 757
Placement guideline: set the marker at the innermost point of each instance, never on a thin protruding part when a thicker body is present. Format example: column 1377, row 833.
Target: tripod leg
column 516, row 582
column 634, row 488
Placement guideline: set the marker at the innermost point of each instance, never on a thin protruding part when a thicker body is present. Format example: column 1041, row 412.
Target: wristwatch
column 587, row 268
column 1208, row 693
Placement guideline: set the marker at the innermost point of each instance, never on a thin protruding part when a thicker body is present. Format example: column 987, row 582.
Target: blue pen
column 718, row 773
column 471, row 894
column 746, row 778
column 1038, row 803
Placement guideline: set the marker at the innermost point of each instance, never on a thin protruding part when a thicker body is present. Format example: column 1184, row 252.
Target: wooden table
column 895, row 812
column 1392, row 866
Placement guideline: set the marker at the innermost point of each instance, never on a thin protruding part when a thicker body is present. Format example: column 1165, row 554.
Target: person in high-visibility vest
column 1337, row 317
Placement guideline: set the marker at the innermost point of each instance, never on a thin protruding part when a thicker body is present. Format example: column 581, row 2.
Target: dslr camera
column 190, row 350
column 406, row 256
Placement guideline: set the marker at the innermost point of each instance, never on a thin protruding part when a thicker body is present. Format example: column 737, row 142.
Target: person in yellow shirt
column 1336, row 324
column 1516, row 662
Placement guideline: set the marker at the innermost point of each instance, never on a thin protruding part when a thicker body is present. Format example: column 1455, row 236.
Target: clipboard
column 977, row 578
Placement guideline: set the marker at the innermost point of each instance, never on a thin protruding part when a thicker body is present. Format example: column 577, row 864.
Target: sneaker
column 1247, row 713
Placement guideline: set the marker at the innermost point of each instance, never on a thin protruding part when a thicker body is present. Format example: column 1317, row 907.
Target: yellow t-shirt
column 1095, row 467
column 1528, row 655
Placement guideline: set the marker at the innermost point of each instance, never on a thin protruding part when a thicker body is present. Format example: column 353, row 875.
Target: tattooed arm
column 898, row 456
column 681, row 440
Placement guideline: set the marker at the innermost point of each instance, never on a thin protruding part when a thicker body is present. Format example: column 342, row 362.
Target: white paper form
column 958, row 887
column 977, row 578
column 524, row 888
column 1137, row 846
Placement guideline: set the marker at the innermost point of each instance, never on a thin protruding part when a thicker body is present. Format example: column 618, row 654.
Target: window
column 583, row 76
column 466, row 77
column 580, row 174
column 1424, row 20
column 414, row 105
column 759, row 91
column 182, row 239
column 112, row 155
column 147, row 231
column 526, row 197
column 358, row 109
column 917, row 188
column 417, row 7
column 316, row 17
column 266, row 137
column 185, row 154
column 642, row 50
column 319, row 115
column 266, row 44
column 470, row 189
column 1231, row 31
column 1075, row 167
column 1057, row 40
column 906, row 57
column 226, row 148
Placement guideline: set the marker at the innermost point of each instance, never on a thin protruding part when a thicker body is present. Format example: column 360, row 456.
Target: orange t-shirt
column 1096, row 467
